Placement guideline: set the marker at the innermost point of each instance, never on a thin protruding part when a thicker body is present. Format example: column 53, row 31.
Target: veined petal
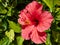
column 46, row 16
column 45, row 23
column 32, row 7
column 27, row 32
column 38, row 37
column 43, row 26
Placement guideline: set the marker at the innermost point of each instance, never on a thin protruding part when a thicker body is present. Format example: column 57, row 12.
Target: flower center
column 36, row 22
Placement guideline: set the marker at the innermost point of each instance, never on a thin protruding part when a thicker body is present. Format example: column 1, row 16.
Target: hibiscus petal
column 32, row 7
column 38, row 37
column 45, row 21
column 24, row 16
column 27, row 32
column 46, row 16
column 21, row 22
column 43, row 26
column 43, row 36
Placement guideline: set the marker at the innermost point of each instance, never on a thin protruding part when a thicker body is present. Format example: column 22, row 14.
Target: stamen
column 27, row 22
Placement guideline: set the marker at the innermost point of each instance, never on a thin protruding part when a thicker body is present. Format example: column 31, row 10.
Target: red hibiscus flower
column 34, row 22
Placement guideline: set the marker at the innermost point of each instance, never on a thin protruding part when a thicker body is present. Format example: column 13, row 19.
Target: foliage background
column 10, row 30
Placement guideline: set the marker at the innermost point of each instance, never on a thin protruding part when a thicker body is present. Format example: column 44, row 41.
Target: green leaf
column 4, row 41
column 48, row 41
column 20, row 40
column 10, row 35
column 58, row 17
column 58, row 14
column 51, row 3
column 9, row 11
column 0, row 0
column 14, row 26
column 14, row 4
column 2, row 9
column 5, row 3
column 12, row 44
column 56, row 36
column 58, row 2
column 4, row 25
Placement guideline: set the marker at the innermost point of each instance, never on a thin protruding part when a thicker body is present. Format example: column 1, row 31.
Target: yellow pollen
column 27, row 22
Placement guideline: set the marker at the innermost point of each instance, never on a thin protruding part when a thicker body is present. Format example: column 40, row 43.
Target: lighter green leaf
column 49, row 3
column 0, row 0
column 10, row 35
column 14, row 26
column 20, row 40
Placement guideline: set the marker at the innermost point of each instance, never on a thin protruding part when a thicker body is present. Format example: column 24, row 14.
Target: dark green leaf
column 56, row 36
column 58, row 14
column 2, row 9
column 14, row 4
column 4, row 41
